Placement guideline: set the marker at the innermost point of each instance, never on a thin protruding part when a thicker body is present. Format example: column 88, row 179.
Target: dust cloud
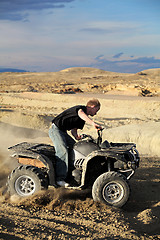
column 9, row 136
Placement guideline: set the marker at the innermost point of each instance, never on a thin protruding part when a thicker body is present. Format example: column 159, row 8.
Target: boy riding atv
column 72, row 119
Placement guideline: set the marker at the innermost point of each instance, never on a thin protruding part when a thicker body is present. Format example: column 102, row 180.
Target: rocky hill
column 71, row 80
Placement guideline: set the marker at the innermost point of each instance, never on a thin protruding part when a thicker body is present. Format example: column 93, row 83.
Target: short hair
column 93, row 102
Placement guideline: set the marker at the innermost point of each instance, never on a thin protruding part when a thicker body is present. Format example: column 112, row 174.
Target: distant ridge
column 11, row 70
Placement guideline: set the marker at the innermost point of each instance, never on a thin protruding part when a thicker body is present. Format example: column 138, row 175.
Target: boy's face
column 93, row 110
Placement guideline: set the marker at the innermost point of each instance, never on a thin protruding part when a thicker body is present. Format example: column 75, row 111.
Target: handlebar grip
column 100, row 129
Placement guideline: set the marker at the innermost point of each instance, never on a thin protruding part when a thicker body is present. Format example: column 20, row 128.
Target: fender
column 99, row 153
column 30, row 158
column 37, row 160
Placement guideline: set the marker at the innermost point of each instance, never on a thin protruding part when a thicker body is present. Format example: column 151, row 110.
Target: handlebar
column 100, row 128
column 99, row 139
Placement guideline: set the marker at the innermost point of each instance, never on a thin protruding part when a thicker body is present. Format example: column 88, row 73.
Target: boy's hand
column 97, row 126
column 78, row 137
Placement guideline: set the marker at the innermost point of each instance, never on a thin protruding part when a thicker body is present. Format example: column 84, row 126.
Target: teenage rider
column 71, row 119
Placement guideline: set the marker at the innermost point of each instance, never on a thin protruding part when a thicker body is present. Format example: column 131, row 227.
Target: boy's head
column 93, row 106
column 93, row 102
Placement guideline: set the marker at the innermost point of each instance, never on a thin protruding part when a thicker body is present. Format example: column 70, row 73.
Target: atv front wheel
column 111, row 188
column 24, row 181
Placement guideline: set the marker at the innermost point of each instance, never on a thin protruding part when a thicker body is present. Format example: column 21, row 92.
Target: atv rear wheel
column 24, row 181
column 111, row 188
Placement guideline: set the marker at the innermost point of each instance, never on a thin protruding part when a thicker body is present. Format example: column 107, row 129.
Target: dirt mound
column 150, row 216
column 83, row 70
column 146, row 136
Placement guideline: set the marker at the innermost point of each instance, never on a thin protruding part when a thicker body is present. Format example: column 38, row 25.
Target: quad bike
column 104, row 168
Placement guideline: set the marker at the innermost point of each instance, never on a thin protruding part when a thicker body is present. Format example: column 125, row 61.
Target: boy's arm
column 88, row 120
column 75, row 134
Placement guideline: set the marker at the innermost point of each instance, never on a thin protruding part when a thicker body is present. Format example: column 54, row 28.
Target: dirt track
column 68, row 214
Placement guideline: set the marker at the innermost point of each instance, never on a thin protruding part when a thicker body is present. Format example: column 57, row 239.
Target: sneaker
column 62, row 184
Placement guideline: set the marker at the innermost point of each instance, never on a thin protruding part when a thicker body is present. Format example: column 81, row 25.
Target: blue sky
column 50, row 35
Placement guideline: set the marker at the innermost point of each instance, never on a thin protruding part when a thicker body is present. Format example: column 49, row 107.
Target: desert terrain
column 130, row 112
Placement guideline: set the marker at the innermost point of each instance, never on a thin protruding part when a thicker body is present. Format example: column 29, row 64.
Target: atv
column 104, row 168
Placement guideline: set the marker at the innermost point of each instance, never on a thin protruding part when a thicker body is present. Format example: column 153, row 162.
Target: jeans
column 62, row 142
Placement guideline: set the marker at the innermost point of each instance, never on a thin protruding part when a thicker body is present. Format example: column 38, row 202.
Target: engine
column 81, row 150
